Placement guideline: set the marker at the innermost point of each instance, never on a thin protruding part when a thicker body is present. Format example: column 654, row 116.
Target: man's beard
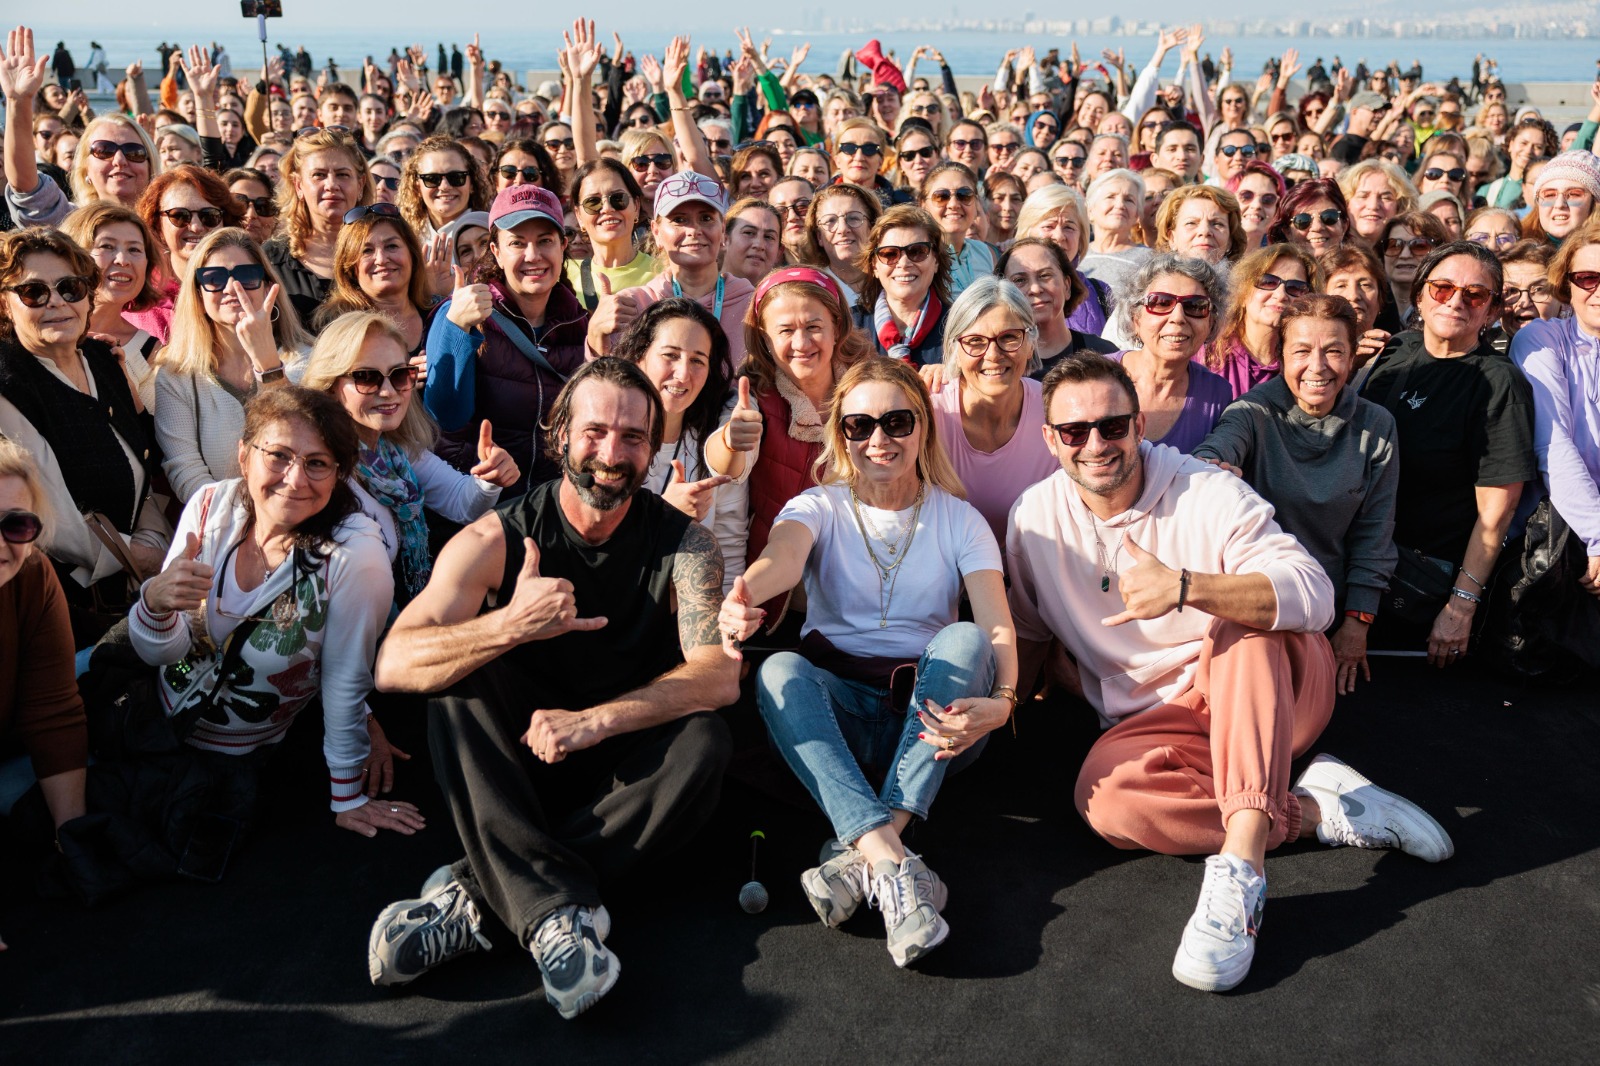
column 1129, row 471
column 602, row 497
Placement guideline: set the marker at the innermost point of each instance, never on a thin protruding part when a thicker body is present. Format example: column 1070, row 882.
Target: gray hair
column 976, row 300
column 1119, row 138
column 1120, row 176
column 1131, row 294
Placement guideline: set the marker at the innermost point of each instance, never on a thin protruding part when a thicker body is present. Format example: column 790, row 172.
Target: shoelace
column 896, row 896
column 557, row 939
column 1222, row 900
column 1347, row 832
column 448, row 936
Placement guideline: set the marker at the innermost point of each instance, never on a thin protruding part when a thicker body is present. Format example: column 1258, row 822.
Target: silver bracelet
column 1473, row 577
column 1463, row 594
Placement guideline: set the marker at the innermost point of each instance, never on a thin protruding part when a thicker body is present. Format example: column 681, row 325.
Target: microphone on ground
column 753, row 896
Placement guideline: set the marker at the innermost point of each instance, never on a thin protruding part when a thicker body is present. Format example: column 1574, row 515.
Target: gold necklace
column 888, row 573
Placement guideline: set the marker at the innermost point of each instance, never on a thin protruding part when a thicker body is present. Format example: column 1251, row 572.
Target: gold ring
column 949, row 743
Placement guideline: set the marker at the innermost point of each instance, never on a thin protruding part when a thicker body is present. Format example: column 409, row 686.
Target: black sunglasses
column 659, row 160
column 870, row 149
column 132, row 151
column 1293, row 286
column 361, row 211
column 797, row 209
column 965, row 195
column 37, row 293
column 1231, row 150
column 925, row 152
column 1076, row 434
column 210, row 217
column 392, row 184
column 889, row 254
column 617, row 200
column 368, row 382
column 858, row 428
column 1070, row 162
column 1330, row 217
column 215, row 279
column 558, row 142
column 456, row 178
column 1420, row 246
column 263, row 206
column 961, row 146
column 20, row 527
column 306, row 131
column 1454, row 173
column 530, row 175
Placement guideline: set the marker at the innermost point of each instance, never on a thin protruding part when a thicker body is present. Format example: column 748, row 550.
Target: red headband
column 800, row 273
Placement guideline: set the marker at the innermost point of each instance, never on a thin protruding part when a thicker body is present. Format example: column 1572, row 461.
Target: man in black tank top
column 572, row 721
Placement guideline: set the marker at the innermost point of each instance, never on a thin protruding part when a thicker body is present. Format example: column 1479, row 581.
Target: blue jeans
column 828, row 728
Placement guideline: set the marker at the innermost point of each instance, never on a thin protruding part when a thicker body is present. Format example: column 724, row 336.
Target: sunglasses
column 850, row 148
column 263, row 206
column 558, row 142
column 210, row 217
column 1294, row 287
column 132, row 151
column 497, row 116
column 1247, row 196
column 1004, row 147
column 1162, row 303
column 1076, row 434
column 1231, row 150
column 356, row 214
column 392, row 184
column 1071, row 162
column 368, row 382
column 797, row 209
column 530, row 175
column 1474, row 296
column 889, row 254
column 927, row 109
column 963, row 146
column 456, row 178
column 37, row 293
column 281, row 461
column 901, row 423
column 215, row 279
column 1454, row 173
column 1553, row 199
column 1008, row 341
column 1419, row 245
column 721, row 144
column 643, row 122
column 1587, row 280
column 617, row 201
column 659, row 160
column 306, row 131
column 1330, row 217
column 1499, row 240
column 20, row 527
column 965, row 195
column 925, row 152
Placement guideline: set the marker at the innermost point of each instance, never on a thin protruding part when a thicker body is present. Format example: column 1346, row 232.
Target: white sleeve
column 178, row 433
column 730, row 525
column 360, row 590
column 1143, row 94
column 1258, row 545
column 811, row 509
column 977, row 547
column 447, row 491
column 163, row 639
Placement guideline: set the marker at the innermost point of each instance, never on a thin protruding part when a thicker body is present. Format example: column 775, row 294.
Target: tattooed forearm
column 697, row 579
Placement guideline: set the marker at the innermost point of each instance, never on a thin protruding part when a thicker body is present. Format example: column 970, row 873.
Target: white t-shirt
column 844, row 597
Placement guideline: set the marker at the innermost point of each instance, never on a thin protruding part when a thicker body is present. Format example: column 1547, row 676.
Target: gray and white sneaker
column 837, row 887
column 910, row 896
column 1358, row 813
column 412, row 936
column 1219, row 942
column 573, row 960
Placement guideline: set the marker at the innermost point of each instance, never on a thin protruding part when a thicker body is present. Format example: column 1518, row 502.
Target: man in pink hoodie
column 1197, row 627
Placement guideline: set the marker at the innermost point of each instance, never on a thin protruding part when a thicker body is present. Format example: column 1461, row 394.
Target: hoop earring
column 274, row 317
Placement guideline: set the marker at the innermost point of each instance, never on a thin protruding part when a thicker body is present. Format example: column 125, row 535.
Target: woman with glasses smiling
column 929, row 108
column 838, row 226
column 905, row 286
column 181, row 207
column 385, row 174
column 441, row 182
column 1266, row 283
column 1258, row 188
column 252, row 191
column 523, row 161
column 1314, row 214
column 950, row 194
column 916, row 153
column 1404, row 242
column 860, row 147
column 606, row 202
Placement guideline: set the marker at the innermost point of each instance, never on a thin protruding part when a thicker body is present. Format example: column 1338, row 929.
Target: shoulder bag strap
column 586, row 272
column 106, row 533
column 524, row 345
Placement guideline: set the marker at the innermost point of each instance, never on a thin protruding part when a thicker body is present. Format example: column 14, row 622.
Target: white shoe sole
column 832, row 912
column 590, row 998
column 374, row 963
column 1420, row 833
column 909, row 953
column 1210, row 979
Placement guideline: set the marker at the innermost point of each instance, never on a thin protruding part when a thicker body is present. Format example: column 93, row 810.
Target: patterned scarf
column 889, row 336
column 387, row 474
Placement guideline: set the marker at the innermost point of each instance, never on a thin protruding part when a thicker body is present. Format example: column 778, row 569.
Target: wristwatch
column 265, row 376
column 1362, row 616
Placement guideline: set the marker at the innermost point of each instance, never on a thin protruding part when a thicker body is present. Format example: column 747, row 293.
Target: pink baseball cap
column 517, row 204
column 685, row 187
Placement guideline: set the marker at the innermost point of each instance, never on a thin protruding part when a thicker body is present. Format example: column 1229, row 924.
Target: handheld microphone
column 753, row 896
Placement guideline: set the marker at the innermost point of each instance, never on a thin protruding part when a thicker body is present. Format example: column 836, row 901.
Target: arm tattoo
column 697, row 578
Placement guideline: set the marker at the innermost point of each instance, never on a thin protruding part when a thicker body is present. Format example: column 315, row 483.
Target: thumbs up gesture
column 1149, row 588
column 543, row 607
column 739, row 619
column 470, row 303
column 743, row 431
column 693, row 498
column 495, row 464
column 183, row 585
column 613, row 313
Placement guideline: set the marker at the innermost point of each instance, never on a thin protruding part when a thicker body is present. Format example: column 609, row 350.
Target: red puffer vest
column 782, row 472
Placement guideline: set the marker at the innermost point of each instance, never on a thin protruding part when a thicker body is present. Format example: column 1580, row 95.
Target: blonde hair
column 296, row 216
column 15, row 461
column 82, row 188
column 833, row 466
column 194, row 340
column 338, row 351
column 1051, row 200
column 1167, row 216
column 1405, row 193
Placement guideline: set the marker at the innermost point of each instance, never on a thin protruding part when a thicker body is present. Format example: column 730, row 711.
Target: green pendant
column 1105, row 582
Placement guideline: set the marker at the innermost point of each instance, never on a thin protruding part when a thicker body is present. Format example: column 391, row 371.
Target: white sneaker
column 1219, row 943
column 910, row 896
column 839, row 885
column 573, row 960
column 1360, row 814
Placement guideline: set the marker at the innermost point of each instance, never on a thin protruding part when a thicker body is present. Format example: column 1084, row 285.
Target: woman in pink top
column 1246, row 351
column 990, row 414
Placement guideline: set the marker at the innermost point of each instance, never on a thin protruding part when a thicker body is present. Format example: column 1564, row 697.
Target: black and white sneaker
column 570, row 950
column 412, row 936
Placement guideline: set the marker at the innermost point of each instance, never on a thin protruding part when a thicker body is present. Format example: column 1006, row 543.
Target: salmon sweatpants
column 1168, row 779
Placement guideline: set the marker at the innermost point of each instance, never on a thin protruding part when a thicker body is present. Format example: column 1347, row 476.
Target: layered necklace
column 1108, row 565
column 888, row 572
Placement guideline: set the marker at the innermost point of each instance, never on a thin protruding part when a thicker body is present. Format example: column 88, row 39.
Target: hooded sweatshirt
column 1190, row 515
column 1332, row 480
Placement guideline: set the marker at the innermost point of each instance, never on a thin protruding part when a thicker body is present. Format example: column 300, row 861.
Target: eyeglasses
column 531, row 175
column 963, row 146
column 695, row 185
column 901, row 423
column 20, row 527
column 1419, row 245
column 281, row 460
column 965, row 194
column 797, row 209
column 1293, row 286
column 1474, row 296
column 1284, row 138
column 497, row 116
column 869, row 149
column 1070, row 162
column 1076, row 434
column 1587, row 280
column 849, row 220
column 37, row 293
column 927, row 109
column 392, row 184
column 215, row 279
column 1231, row 150
column 132, row 151
column 456, row 178
column 889, row 254
column 719, row 144
column 1424, row 117
column 210, row 217
column 1162, row 303
column 659, row 160
column 356, row 214
column 1268, row 199
column 368, row 382
column 1553, row 199
column 1498, row 240
column 1454, row 173
column 306, row 131
column 617, row 201
column 1538, row 292
column 1330, row 217
column 1008, row 341
column 263, row 206
column 558, row 142
column 1150, row 125
column 925, row 152
column 1004, row 147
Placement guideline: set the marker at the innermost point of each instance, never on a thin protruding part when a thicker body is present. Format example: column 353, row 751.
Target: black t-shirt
column 305, row 290
column 1347, row 149
column 1461, row 423
column 627, row 580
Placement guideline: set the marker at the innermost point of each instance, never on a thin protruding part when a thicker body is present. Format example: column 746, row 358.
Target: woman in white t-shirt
column 886, row 679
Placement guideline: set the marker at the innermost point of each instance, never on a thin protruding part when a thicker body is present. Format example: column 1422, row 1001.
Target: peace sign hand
column 254, row 327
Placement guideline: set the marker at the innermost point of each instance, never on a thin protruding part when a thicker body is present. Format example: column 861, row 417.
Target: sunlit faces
column 1450, row 214
column 118, row 250
column 858, row 155
column 838, row 111
column 181, row 240
column 56, row 324
column 445, row 201
column 608, row 437
column 222, row 307
column 986, row 366
column 1061, row 228
column 230, row 124
column 1452, row 321
column 259, row 226
column 1317, row 358
column 791, row 199
column 385, row 181
column 328, row 183
column 1179, row 152
column 337, row 109
column 1400, row 259
column 384, row 268
column 1156, row 188
column 1099, row 466
column 1364, row 292
column 678, row 362
column 1258, row 203
column 1527, row 294
column 951, row 199
column 519, row 161
column 802, row 335
column 304, row 111
column 1326, row 226
column 382, row 411
column 1563, row 206
column 1266, row 306
column 1372, row 203
column 174, row 149
column 843, row 226
column 1234, row 150
column 1105, row 154
column 117, row 178
column 530, row 255
column 1029, row 161
column 610, row 225
column 755, row 243
column 918, row 155
column 1005, row 202
column 882, row 459
column 1586, row 305
column 284, row 500
column 1038, row 274
column 691, row 235
column 757, row 177
column 968, row 144
column 1173, row 336
column 1443, row 171
column 812, row 165
column 1201, row 229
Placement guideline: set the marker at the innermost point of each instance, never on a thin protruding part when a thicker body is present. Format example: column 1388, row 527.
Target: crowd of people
column 556, row 414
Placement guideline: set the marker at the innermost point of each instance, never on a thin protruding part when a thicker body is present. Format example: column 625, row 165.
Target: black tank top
column 628, row 580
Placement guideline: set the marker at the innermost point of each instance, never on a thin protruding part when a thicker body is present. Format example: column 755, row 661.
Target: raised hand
column 1026, row 58
column 693, row 498
column 582, row 51
column 22, row 72
column 475, row 54
column 1191, row 47
column 183, row 585
column 134, row 70
column 1169, row 40
column 495, row 464
column 636, row 90
column 470, row 303
column 1289, row 67
column 739, row 619
column 1149, row 588
column 743, row 431
column 543, row 607
column 798, row 56
column 744, row 75
column 747, row 47
column 407, row 75
column 254, row 326
column 677, row 61
column 650, row 67
column 436, row 263
column 202, row 74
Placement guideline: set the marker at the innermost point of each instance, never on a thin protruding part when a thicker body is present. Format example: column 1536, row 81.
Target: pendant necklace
column 888, row 573
column 1106, row 565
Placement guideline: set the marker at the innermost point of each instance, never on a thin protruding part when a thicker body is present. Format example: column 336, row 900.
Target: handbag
column 1419, row 588
column 1540, row 625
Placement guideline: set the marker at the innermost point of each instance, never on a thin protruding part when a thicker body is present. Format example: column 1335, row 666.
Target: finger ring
column 949, row 743
column 394, row 810
column 1455, row 651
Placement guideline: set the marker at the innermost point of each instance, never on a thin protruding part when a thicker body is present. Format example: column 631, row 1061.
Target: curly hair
column 479, row 195
column 291, row 205
column 16, row 246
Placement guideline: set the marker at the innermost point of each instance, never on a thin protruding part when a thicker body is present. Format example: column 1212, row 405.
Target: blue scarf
column 387, row 474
